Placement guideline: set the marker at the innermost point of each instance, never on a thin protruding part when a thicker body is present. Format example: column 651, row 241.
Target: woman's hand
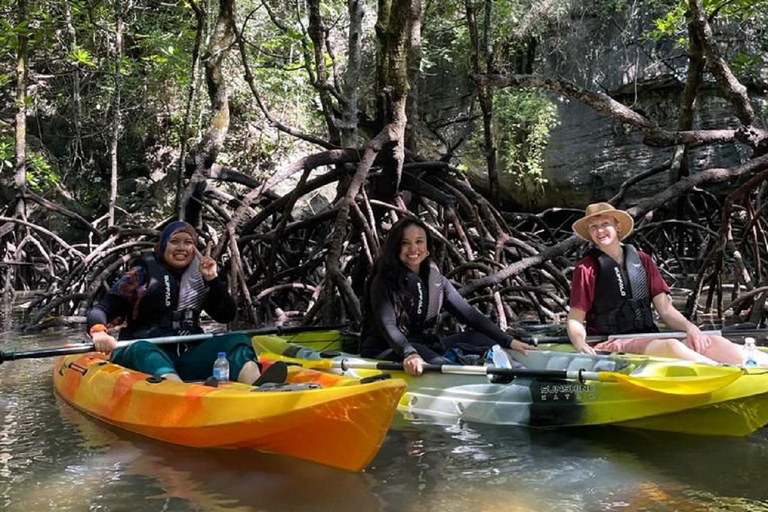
column 584, row 348
column 413, row 365
column 103, row 342
column 521, row 346
column 208, row 268
column 697, row 340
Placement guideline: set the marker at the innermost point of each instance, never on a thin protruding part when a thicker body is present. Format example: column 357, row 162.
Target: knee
column 231, row 341
column 674, row 347
column 718, row 344
column 140, row 347
column 241, row 351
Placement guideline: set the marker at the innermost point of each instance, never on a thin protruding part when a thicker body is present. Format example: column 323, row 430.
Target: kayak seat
column 590, row 364
column 559, row 362
column 581, row 363
column 605, row 365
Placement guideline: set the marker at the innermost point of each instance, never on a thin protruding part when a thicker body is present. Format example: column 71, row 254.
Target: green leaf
column 81, row 56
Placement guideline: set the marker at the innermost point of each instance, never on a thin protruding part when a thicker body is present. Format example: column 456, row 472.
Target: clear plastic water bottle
column 221, row 368
column 499, row 357
column 749, row 353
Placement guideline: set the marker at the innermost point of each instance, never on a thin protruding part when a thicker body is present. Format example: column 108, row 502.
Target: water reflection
column 222, row 480
column 53, row 457
column 461, row 467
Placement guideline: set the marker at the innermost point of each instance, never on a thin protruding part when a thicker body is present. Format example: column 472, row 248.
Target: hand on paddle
column 103, row 342
column 208, row 267
column 413, row 365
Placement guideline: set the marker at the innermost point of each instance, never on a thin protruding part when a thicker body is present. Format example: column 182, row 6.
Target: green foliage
column 744, row 64
column 6, row 153
column 524, row 119
column 672, row 18
column 41, row 176
column 671, row 24
column 81, row 56
column 750, row 16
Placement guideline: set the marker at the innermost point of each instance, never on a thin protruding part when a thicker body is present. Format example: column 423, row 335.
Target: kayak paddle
column 82, row 348
column 536, row 339
column 673, row 385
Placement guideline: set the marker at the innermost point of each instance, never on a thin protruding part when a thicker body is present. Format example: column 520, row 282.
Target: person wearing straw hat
column 614, row 289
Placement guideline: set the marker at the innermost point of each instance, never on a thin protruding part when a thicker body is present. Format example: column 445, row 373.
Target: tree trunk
column 393, row 29
column 349, row 107
column 77, row 144
column 485, row 94
column 204, row 156
column 323, row 87
column 200, row 16
column 20, row 163
column 116, row 113
column 414, row 72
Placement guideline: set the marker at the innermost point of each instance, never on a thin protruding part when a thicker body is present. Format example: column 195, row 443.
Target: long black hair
column 390, row 271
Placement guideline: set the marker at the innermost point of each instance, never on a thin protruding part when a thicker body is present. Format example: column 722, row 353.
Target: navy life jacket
column 157, row 312
column 622, row 302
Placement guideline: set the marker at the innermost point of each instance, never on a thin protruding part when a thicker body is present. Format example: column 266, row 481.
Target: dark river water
column 54, row 458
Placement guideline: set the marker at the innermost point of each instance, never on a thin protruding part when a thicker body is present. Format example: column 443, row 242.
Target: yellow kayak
column 330, row 419
column 737, row 408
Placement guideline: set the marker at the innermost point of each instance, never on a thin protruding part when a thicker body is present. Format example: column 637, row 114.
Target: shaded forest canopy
column 293, row 134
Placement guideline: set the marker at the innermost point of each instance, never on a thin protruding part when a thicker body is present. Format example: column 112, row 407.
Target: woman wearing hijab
column 613, row 289
column 404, row 298
column 164, row 296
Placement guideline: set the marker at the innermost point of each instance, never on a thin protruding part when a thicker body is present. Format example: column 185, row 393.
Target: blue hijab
column 168, row 232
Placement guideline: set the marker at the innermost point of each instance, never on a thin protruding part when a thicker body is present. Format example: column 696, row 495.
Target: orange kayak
column 341, row 423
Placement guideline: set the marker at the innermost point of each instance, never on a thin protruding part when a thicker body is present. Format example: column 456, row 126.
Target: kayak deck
column 736, row 409
column 342, row 424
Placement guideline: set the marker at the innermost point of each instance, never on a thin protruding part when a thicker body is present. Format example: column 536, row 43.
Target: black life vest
column 424, row 296
column 622, row 302
column 157, row 313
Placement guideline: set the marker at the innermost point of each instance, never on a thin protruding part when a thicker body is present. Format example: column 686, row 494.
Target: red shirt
column 585, row 277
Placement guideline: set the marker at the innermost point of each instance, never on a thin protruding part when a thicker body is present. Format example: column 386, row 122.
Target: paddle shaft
column 345, row 365
column 82, row 348
column 536, row 339
column 683, row 385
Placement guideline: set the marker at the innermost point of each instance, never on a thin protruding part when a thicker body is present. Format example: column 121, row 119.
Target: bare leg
column 722, row 349
column 677, row 349
column 249, row 373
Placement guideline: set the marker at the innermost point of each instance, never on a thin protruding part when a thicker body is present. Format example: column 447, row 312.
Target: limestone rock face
column 589, row 155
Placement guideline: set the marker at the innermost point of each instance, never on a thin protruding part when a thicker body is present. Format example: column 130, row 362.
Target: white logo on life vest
column 621, row 281
column 167, row 282
column 420, row 305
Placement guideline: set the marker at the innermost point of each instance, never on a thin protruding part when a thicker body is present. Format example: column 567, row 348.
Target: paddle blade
column 677, row 385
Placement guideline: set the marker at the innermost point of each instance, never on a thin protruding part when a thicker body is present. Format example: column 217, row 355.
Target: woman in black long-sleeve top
column 403, row 301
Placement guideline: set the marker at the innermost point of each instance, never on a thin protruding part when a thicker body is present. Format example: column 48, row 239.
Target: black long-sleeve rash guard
column 386, row 320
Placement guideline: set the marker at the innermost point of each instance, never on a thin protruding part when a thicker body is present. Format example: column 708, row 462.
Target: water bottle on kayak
column 749, row 353
column 221, row 368
column 499, row 357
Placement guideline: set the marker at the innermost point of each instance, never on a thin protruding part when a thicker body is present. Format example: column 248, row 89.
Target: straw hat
column 624, row 221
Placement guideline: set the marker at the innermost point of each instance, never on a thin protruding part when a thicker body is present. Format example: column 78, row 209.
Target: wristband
column 97, row 328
